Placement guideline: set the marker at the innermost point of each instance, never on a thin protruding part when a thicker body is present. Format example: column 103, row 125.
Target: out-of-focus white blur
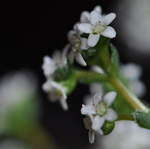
column 15, row 87
column 12, row 144
column 134, row 23
column 126, row 135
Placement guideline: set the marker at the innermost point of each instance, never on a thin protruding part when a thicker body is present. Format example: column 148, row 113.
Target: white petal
column 107, row 19
column 93, row 39
column 91, row 136
column 80, row 59
column 111, row 115
column 88, row 110
column 98, row 9
column 84, row 44
column 47, row 86
column 96, row 88
column 109, row 32
column 95, row 17
column 109, row 98
column 97, row 98
column 84, row 17
column 98, row 69
column 85, row 28
column 97, row 123
column 64, row 104
column 48, row 66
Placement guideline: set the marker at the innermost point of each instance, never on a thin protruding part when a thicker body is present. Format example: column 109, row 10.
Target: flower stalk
column 128, row 96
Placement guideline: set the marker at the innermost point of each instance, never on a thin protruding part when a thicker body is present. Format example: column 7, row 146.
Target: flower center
column 101, row 108
column 99, row 28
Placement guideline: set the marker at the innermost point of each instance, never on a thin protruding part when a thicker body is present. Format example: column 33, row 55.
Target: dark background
column 30, row 30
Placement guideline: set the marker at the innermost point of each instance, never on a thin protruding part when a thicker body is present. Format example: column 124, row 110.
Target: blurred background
column 30, row 30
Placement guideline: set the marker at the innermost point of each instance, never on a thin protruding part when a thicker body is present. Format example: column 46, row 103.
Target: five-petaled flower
column 98, row 111
column 95, row 24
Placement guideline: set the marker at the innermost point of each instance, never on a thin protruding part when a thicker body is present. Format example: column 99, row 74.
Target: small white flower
column 97, row 26
column 77, row 44
column 56, row 92
column 98, row 111
column 85, row 15
column 133, row 73
column 58, row 60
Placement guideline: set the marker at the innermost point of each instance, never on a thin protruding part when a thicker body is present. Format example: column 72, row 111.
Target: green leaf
column 115, row 63
column 108, row 127
column 122, row 107
column 143, row 119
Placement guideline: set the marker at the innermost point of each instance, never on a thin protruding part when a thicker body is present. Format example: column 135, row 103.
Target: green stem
column 125, row 117
column 128, row 96
column 90, row 77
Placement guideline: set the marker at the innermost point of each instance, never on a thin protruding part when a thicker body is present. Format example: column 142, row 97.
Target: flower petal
column 93, row 39
column 107, row 19
column 98, row 9
column 111, row 115
column 88, row 110
column 85, row 16
column 84, row 44
column 97, row 123
column 109, row 32
column 85, row 28
column 91, row 136
column 96, row 88
column 95, row 17
column 80, row 59
column 64, row 104
column 97, row 97
column 109, row 98
column 98, row 69
column 48, row 66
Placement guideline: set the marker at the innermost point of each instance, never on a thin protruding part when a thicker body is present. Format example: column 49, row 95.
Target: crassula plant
column 91, row 58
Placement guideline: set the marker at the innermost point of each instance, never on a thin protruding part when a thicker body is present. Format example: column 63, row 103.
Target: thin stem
column 125, row 117
column 90, row 77
column 128, row 96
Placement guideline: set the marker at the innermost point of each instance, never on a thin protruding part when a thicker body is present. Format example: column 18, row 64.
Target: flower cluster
column 94, row 25
column 97, row 109
column 55, row 90
column 89, row 43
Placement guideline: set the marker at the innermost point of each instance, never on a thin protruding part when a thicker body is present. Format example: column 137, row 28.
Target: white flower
column 97, row 111
column 133, row 73
column 97, row 26
column 128, row 135
column 58, row 60
column 77, row 43
column 85, row 15
column 56, row 92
